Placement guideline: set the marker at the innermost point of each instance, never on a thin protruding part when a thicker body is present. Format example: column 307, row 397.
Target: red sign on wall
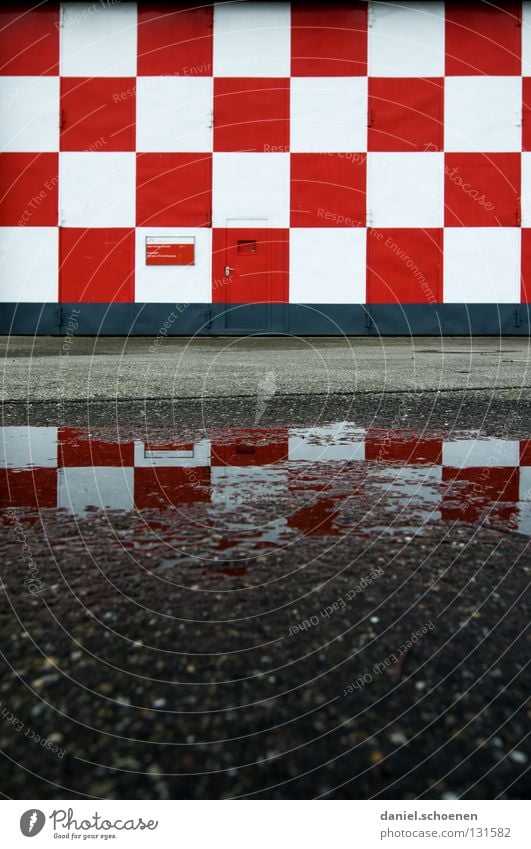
column 167, row 251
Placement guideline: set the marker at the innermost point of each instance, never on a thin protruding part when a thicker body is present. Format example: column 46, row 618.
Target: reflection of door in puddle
column 250, row 273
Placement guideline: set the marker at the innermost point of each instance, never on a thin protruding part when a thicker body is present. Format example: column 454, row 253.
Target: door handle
column 228, row 270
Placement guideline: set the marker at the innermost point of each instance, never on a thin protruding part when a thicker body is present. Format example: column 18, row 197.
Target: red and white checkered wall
column 384, row 149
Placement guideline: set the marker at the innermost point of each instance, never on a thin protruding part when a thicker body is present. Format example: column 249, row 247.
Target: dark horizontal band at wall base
column 265, row 319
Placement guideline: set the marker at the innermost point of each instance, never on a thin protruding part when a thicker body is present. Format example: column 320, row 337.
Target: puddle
column 239, row 492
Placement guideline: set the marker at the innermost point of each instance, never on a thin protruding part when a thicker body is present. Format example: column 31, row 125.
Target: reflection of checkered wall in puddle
column 380, row 136
column 461, row 480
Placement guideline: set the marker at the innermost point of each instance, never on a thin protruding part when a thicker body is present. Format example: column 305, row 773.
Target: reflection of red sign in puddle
column 164, row 252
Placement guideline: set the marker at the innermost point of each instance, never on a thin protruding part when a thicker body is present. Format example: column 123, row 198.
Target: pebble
column 55, row 737
column 398, row 738
column 127, row 763
column 39, row 683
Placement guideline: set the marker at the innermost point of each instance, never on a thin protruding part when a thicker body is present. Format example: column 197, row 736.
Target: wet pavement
column 266, row 600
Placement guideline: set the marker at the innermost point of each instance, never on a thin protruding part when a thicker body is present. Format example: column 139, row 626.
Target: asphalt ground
column 157, row 677
column 104, row 368
column 165, row 658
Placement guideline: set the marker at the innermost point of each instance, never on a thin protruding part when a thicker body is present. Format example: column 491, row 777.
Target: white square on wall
column 239, row 484
column 405, row 189
column 482, row 114
column 97, row 189
column 29, row 119
column 526, row 38
column 327, row 442
column 327, row 265
column 25, row 447
column 479, row 453
column 174, row 283
column 526, row 189
column 252, row 39
column 525, row 484
column 104, row 487
column 328, row 114
column 482, row 265
column 406, row 39
column 98, row 39
column 28, row 264
column 174, row 114
column 524, row 517
column 250, row 185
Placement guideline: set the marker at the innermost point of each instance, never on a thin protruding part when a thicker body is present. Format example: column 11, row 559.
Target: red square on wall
column 175, row 39
column 328, row 189
column 479, row 491
column 240, row 454
column 406, row 114
column 404, row 266
column 77, row 449
column 396, row 446
column 28, row 488
column 173, row 189
column 29, row 39
column 330, row 41
column 482, row 189
column 483, row 38
column 96, row 265
column 251, row 114
column 166, row 486
column 28, row 189
column 98, row 114
column 525, row 452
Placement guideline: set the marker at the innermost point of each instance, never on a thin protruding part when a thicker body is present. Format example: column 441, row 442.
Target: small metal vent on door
column 246, row 246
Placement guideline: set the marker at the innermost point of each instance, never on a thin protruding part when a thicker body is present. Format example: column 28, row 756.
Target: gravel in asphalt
column 328, row 632
column 73, row 368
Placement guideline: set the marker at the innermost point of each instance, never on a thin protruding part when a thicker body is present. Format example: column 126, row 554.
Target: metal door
column 250, row 277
